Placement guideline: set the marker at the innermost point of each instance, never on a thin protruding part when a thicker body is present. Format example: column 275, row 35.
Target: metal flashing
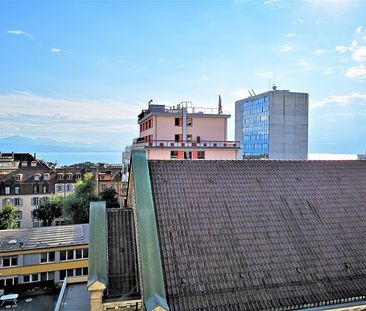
column 97, row 261
column 149, row 250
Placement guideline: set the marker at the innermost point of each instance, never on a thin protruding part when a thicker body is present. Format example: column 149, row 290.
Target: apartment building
column 185, row 132
column 26, row 182
column 43, row 254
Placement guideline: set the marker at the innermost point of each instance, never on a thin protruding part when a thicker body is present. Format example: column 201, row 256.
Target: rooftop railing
column 186, row 144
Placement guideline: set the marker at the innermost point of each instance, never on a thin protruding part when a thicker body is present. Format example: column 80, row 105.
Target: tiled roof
column 257, row 235
column 122, row 262
column 43, row 237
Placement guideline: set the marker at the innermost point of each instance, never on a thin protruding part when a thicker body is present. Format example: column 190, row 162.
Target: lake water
column 67, row 158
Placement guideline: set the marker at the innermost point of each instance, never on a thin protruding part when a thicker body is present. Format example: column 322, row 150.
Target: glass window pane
column 51, row 256
column 85, row 253
column 63, row 255
column 78, row 253
column 70, row 255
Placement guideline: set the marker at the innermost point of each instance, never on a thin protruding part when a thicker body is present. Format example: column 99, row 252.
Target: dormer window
column 69, row 177
column 33, row 163
column 37, row 177
column 77, row 176
column 18, row 177
column 46, row 177
column 60, row 176
column 24, row 163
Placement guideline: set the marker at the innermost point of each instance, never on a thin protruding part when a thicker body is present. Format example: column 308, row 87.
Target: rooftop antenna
column 250, row 93
column 150, row 101
column 220, row 105
column 253, row 92
column 274, row 87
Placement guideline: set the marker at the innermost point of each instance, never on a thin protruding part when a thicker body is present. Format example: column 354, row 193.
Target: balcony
column 206, row 144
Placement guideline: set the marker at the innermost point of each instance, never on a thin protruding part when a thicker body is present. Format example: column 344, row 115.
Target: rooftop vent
column 12, row 242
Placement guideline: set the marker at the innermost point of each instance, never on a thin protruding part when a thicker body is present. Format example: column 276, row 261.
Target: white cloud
column 68, row 119
column 343, row 49
column 266, row 75
column 306, row 63
column 240, row 93
column 160, row 61
column 286, row 48
column 205, row 78
column 357, row 72
column 319, row 52
column 55, row 50
column 271, row 3
column 300, row 20
column 340, row 100
column 359, row 54
column 289, row 35
column 359, row 29
column 19, row 32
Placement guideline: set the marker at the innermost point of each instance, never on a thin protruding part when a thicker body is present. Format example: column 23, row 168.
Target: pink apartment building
column 185, row 132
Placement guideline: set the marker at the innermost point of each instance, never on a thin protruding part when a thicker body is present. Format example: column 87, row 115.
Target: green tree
column 109, row 195
column 9, row 217
column 75, row 207
column 48, row 211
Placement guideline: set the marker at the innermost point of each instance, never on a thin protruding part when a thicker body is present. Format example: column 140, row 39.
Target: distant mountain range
column 33, row 145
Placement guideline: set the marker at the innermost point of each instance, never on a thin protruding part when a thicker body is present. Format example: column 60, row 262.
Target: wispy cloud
column 266, row 75
column 81, row 120
column 319, row 52
column 306, row 63
column 341, row 100
column 359, row 54
column 289, row 35
column 19, row 32
column 286, row 48
column 56, row 50
column 205, row 78
column 357, row 72
column 359, row 29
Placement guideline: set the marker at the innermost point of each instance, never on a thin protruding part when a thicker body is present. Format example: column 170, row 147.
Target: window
column 73, row 272
column 24, row 163
column 46, row 177
column 9, row 261
column 59, row 223
column 74, row 254
column 59, row 188
column 33, row 163
column 47, row 257
column 189, row 137
column 187, row 154
column 176, row 137
column 189, row 121
column 20, row 214
column 62, row 274
column 37, row 177
column 78, row 176
column 7, row 190
column 177, row 123
column 36, row 189
column 60, row 176
column 63, row 255
column 102, row 186
column 31, row 278
column 17, row 202
column 69, row 176
column 17, row 190
column 35, row 201
column 174, row 154
column 201, row 155
column 10, row 281
column 44, row 189
column 70, row 255
column 18, row 177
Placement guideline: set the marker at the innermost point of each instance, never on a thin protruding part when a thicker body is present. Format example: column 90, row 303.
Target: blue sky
column 82, row 71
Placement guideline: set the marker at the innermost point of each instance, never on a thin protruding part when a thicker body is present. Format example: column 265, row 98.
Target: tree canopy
column 48, row 211
column 75, row 207
column 9, row 217
column 109, row 195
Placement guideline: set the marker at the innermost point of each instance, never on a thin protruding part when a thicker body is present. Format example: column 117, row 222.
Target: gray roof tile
column 254, row 235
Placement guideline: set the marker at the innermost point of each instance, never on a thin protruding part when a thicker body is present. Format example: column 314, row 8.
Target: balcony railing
column 186, row 144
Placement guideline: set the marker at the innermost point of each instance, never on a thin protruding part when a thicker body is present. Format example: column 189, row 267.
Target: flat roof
column 43, row 237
